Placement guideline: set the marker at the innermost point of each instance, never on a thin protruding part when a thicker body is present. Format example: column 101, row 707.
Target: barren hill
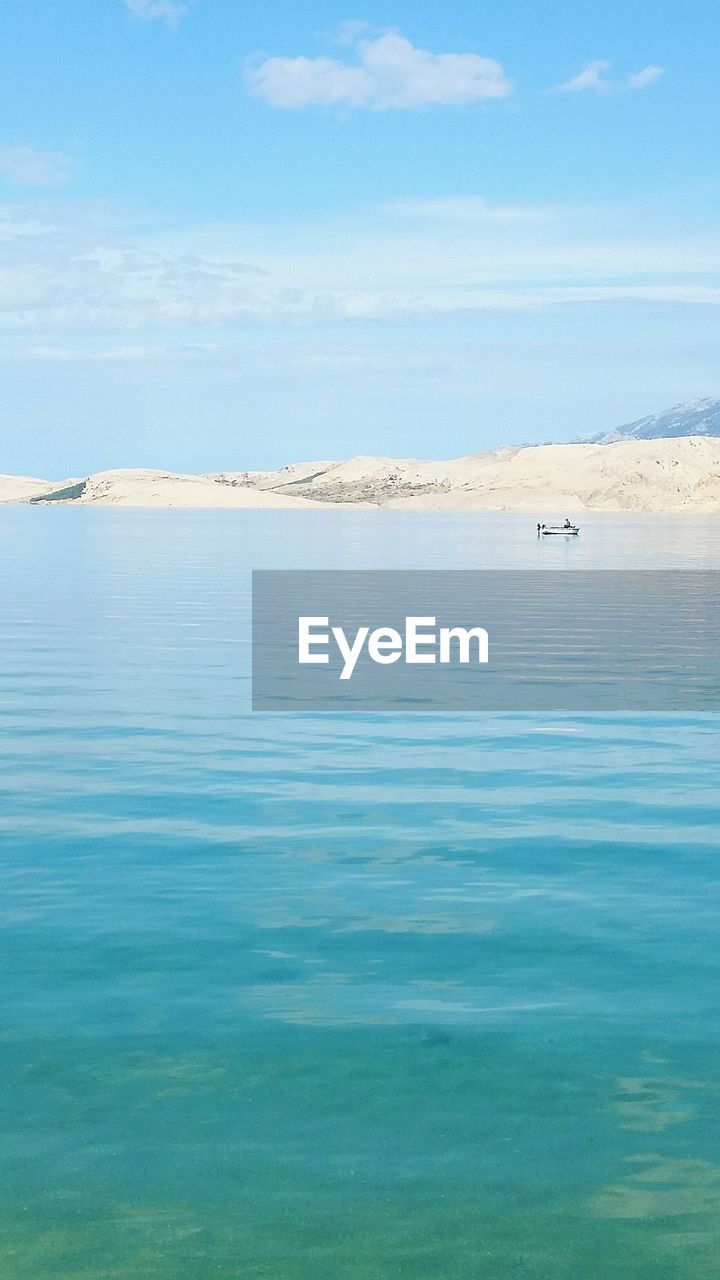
column 672, row 475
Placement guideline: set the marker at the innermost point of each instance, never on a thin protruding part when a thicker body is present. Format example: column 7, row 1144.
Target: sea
column 368, row 997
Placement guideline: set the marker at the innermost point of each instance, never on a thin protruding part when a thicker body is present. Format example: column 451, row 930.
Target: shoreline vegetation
column 68, row 494
column 679, row 475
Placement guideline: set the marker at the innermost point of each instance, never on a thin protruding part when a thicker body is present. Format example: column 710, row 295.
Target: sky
column 235, row 236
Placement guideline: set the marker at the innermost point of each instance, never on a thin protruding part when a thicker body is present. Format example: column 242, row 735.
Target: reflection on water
column 314, row 999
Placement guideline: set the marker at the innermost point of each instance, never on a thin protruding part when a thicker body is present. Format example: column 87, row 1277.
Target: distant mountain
column 696, row 418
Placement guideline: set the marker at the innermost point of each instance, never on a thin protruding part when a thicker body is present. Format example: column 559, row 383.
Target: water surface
column 340, row 999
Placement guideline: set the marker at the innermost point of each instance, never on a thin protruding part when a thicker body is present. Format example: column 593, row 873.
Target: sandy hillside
column 147, row 488
column 637, row 475
column 652, row 475
column 18, row 488
column 362, row 479
column 282, row 479
column 669, row 475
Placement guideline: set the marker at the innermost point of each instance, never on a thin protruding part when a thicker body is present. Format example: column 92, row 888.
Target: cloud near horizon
column 27, row 167
column 390, row 72
column 77, row 271
column 169, row 11
column 592, row 79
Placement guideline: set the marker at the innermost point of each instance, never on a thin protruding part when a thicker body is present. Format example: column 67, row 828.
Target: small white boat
column 559, row 530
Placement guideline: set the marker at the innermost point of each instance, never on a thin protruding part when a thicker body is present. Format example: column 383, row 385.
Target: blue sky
column 233, row 236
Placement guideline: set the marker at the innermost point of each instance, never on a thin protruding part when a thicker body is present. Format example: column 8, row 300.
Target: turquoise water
column 326, row 999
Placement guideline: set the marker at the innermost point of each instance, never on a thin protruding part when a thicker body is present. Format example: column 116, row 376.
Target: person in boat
column 567, row 524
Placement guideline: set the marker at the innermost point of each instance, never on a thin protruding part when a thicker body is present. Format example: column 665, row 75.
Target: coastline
column 672, row 476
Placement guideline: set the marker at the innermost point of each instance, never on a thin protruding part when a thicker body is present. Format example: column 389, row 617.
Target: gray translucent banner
column 596, row 641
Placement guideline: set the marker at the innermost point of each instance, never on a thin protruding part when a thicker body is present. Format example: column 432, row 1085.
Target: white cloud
column 348, row 33
column 592, row 79
column 589, row 79
column 170, row 11
column 647, row 76
column 26, row 167
column 389, row 72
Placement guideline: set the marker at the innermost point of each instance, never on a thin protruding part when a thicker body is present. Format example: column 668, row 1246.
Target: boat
column 558, row 530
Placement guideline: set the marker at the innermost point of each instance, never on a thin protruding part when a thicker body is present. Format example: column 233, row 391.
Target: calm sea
column 329, row 999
